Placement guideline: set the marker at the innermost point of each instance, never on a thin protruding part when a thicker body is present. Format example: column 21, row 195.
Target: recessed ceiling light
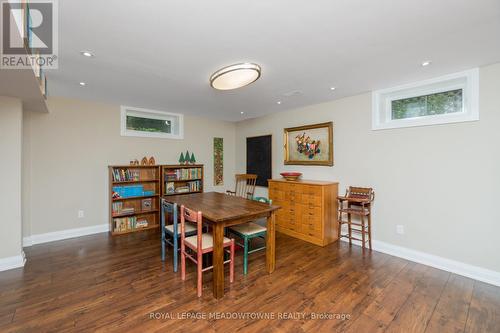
column 235, row 76
column 87, row 54
column 278, row 102
column 332, row 88
column 242, row 112
column 292, row 93
column 426, row 63
column 83, row 84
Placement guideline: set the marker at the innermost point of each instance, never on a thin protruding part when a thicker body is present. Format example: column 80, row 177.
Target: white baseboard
column 64, row 234
column 12, row 262
column 470, row 271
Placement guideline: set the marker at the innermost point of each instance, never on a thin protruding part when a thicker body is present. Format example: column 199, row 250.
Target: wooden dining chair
column 171, row 231
column 245, row 186
column 194, row 247
column 247, row 232
column 358, row 202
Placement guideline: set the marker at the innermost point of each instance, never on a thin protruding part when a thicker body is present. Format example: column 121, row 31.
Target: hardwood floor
column 99, row 283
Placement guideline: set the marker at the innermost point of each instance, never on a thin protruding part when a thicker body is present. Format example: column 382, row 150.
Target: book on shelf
column 124, row 223
column 194, row 186
column 141, row 223
column 118, row 209
column 170, row 187
column 183, row 174
column 147, row 204
column 125, row 175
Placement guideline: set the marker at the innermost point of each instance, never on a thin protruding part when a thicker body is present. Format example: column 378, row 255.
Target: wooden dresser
column 308, row 209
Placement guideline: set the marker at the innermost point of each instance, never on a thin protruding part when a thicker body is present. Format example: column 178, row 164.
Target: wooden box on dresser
column 308, row 209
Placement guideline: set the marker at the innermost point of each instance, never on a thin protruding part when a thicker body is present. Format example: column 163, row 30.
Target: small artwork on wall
column 218, row 161
column 309, row 144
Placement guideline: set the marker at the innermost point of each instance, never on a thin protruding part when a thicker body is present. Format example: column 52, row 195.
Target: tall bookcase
column 181, row 179
column 134, row 198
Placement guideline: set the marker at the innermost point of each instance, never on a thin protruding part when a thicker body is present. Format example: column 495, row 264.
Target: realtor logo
column 29, row 34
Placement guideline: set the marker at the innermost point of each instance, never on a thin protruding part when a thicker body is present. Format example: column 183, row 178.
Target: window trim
column 382, row 101
column 156, row 114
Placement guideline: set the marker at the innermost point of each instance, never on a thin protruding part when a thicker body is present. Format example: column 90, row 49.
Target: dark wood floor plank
column 385, row 306
column 484, row 311
column 416, row 312
column 451, row 311
column 102, row 284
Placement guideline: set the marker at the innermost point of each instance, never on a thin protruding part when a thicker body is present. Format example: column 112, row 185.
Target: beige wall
column 11, row 121
column 71, row 147
column 440, row 182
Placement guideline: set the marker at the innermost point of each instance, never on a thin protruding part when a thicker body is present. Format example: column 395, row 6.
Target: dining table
column 221, row 210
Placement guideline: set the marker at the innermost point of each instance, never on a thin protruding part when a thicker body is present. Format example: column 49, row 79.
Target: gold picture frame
column 309, row 144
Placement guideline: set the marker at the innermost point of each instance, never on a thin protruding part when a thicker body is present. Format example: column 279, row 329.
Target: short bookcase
column 134, row 198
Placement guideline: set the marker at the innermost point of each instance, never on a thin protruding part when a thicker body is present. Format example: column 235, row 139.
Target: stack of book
column 182, row 189
column 141, row 224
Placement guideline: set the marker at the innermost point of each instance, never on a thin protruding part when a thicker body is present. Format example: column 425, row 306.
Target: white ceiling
column 160, row 54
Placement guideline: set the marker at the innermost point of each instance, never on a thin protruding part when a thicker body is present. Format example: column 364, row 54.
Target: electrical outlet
column 400, row 229
column 81, row 214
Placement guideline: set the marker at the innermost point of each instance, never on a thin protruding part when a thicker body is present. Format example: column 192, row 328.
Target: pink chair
column 203, row 241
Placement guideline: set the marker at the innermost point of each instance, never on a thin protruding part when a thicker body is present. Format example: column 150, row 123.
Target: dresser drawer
column 276, row 195
column 311, row 231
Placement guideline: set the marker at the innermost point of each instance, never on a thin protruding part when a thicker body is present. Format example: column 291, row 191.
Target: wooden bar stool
column 358, row 202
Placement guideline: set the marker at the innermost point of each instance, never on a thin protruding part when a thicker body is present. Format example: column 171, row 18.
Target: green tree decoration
column 192, row 159
column 186, row 157
column 181, row 159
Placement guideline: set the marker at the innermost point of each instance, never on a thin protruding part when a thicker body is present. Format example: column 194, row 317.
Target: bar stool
column 358, row 202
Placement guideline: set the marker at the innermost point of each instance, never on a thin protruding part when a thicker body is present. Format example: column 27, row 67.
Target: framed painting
column 309, row 145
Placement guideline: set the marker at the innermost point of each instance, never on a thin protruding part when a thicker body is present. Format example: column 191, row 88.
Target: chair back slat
column 194, row 217
column 363, row 193
column 171, row 209
column 245, row 185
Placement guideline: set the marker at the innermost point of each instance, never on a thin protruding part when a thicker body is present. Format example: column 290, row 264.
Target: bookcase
column 134, row 198
column 181, row 179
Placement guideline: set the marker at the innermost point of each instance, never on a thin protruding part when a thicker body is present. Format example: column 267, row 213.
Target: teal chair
column 248, row 231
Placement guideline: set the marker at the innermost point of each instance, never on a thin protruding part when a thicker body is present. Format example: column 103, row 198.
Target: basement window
column 448, row 99
column 151, row 123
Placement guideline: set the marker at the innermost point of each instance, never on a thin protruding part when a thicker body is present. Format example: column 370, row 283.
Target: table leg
column 271, row 243
column 218, row 260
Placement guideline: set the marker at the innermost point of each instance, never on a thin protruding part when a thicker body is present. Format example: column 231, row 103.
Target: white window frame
column 468, row 81
column 176, row 119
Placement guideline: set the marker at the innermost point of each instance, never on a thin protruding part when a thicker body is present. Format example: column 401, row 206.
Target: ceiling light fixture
column 332, row 88
column 278, row 102
column 426, row 63
column 242, row 112
column 235, row 76
column 83, row 84
column 87, row 54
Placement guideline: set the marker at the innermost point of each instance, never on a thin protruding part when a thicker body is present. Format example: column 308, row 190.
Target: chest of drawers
column 308, row 209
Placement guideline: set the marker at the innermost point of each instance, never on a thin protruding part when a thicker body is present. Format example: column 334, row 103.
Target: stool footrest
column 353, row 238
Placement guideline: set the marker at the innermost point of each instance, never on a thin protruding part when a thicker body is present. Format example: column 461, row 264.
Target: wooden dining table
column 221, row 211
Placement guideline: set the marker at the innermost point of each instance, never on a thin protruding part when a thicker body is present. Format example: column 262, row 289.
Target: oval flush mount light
column 235, row 76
